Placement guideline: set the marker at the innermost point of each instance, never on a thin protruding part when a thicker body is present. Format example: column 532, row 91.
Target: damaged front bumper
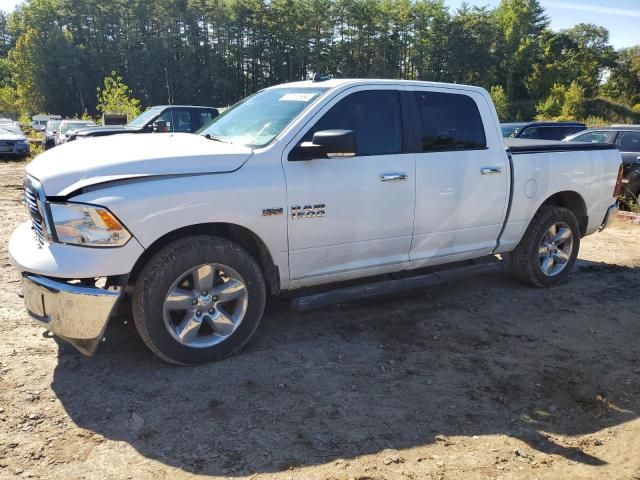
column 75, row 312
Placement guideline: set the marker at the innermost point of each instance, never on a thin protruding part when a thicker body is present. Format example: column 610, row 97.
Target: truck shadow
column 482, row 357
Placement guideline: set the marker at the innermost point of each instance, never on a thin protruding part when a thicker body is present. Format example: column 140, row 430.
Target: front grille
column 34, row 206
column 7, row 146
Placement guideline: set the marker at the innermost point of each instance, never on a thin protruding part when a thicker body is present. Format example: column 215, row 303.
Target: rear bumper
column 612, row 211
column 76, row 313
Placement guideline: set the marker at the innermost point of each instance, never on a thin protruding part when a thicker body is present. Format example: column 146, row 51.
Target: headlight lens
column 87, row 225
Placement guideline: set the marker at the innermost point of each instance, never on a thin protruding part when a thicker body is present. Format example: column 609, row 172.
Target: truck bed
column 524, row 145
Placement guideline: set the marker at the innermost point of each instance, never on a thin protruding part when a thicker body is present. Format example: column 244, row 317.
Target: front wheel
column 199, row 299
column 549, row 248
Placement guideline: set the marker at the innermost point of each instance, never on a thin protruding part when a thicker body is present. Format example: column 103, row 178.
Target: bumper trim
column 612, row 211
column 76, row 313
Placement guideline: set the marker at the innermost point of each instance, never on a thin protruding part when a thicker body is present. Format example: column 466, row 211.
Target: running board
column 387, row 287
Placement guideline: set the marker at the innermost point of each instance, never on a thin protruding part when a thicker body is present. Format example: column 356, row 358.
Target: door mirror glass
column 328, row 144
column 160, row 126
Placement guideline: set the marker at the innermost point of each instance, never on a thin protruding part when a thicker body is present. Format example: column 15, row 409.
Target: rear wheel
column 198, row 299
column 549, row 248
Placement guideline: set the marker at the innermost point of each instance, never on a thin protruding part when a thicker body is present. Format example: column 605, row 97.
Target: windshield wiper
column 208, row 136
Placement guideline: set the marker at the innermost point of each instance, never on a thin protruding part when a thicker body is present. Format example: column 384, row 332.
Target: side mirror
column 327, row 144
column 160, row 126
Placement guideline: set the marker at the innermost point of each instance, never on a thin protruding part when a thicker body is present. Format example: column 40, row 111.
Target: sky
column 620, row 17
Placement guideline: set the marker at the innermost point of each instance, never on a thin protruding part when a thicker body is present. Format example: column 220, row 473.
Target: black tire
column 524, row 261
column 164, row 268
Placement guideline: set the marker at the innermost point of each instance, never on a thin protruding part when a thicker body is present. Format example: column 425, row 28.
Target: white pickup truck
column 299, row 185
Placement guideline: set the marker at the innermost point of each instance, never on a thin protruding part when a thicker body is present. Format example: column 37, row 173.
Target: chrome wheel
column 555, row 249
column 205, row 305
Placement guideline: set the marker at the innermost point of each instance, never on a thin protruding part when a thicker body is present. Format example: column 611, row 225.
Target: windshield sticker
column 297, row 97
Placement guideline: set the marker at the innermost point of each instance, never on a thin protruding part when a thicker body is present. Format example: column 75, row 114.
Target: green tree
column 116, row 97
column 623, row 83
column 563, row 103
column 551, row 107
column 25, row 60
column 521, row 24
column 590, row 57
column 217, row 51
column 573, row 105
column 8, row 104
column 500, row 101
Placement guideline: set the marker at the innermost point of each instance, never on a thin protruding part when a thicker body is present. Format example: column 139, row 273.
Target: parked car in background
column 68, row 127
column 541, row 130
column 627, row 139
column 50, row 132
column 11, row 125
column 163, row 118
column 299, row 185
column 39, row 122
column 12, row 144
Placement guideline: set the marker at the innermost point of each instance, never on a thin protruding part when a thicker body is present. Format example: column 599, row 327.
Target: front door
column 350, row 217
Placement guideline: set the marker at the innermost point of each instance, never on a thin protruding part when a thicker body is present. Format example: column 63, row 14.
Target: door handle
column 490, row 170
column 392, row 177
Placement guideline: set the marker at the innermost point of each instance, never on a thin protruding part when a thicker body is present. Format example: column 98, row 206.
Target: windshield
column 53, row 125
column 258, row 119
column 6, row 131
column 144, row 118
column 67, row 127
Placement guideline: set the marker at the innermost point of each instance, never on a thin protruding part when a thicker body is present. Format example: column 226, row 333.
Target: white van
column 39, row 122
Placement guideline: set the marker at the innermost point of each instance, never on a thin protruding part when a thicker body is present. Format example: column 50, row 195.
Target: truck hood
column 69, row 167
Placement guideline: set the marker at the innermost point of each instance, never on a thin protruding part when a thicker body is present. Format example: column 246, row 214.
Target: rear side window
column 449, row 121
column 206, row 116
column 373, row 115
column 183, row 121
column 628, row 141
column 550, row 132
column 592, row 137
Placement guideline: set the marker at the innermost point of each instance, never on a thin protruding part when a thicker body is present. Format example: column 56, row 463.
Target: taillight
column 616, row 191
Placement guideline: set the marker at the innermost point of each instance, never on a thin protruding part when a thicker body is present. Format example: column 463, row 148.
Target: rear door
column 461, row 176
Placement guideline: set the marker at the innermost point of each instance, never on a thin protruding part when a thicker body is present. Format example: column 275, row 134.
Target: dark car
column 163, row 118
column 541, row 130
column 50, row 132
column 627, row 139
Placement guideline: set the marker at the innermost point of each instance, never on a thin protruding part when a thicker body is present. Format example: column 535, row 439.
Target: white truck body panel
column 539, row 176
column 445, row 211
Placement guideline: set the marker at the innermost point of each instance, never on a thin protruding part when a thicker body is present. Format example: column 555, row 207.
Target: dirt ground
column 484, row 378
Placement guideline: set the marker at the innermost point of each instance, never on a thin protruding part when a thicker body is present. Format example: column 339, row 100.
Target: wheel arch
column 240, row 235
column 573, row 201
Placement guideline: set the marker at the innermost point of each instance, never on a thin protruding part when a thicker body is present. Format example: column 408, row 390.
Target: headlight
column 87, row 225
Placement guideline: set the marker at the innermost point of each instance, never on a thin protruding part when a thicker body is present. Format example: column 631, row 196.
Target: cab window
column 373, row 115
column 449, row 121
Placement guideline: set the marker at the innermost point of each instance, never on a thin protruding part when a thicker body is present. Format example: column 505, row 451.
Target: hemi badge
column 270, row 212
